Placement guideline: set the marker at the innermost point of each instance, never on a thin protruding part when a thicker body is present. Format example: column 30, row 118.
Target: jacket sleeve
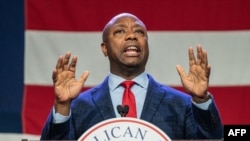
column 61, row 131
column 209, row 122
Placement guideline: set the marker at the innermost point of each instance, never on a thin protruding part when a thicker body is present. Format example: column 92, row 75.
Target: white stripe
column 228, row 53
column 18, row 137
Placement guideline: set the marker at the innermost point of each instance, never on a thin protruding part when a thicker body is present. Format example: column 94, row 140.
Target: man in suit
column 125, row 43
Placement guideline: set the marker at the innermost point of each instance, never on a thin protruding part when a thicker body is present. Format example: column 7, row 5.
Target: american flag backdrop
column 53, row 27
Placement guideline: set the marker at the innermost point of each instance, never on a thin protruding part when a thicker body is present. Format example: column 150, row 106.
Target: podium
column 126, row 129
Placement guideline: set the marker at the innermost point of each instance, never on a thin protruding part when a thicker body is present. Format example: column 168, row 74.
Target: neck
column 128, row 73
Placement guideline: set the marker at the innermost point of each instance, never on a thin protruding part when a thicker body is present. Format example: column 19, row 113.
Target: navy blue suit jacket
column 167, row 108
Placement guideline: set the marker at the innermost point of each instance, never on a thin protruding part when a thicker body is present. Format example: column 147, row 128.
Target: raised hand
column 66, row 86
column 196, row 81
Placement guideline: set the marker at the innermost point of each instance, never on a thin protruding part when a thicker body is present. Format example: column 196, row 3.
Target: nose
column 131, row 36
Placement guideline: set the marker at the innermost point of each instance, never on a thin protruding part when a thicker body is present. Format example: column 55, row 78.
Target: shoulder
column 172, row 92
column 86, row 94
column 169, row 91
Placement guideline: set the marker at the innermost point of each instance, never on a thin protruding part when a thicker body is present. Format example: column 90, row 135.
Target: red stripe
column 91, row 15
column 37, row 103
column 233, row 103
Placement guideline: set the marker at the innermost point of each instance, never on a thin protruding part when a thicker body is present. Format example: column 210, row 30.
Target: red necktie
column 128, row 98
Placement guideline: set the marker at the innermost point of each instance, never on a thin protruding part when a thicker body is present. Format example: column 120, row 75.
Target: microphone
column 120, row 109
column 123, row 111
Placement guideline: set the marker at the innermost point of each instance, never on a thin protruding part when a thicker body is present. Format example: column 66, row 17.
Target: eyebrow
column 119, row 25
column 124, row 25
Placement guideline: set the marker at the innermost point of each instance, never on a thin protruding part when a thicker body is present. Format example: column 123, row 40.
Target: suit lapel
column 102, row 100
column 151, row 104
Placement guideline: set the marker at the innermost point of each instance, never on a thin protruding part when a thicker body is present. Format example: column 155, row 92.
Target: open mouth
column 132, row 51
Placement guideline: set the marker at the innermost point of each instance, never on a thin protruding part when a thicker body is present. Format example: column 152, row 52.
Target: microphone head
column 119, row 109
column 125, row 109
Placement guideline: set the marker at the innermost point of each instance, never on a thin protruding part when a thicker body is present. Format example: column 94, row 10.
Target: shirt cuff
column 59, row 118
column 204, row 105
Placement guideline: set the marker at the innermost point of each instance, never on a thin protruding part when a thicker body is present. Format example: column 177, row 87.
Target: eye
column 139, row 31
column 119, row 31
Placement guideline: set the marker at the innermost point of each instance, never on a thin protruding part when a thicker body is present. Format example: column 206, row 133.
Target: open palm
column 196, row 81
column 66, row 86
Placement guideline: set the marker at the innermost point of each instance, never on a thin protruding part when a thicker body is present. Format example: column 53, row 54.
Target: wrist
column 202, row 99
column 62, row 108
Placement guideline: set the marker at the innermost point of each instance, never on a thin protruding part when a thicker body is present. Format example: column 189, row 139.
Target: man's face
column 126, row 43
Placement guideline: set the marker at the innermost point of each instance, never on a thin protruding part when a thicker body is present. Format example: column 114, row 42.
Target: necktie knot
column 127, row 84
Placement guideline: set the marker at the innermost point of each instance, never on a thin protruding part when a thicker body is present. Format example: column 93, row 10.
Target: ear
column 104, row 49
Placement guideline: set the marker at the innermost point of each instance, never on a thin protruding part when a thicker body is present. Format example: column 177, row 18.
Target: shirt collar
column 115, row 80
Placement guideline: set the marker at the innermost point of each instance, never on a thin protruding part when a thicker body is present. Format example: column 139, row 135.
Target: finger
column 72, row 66
column 204, row 60
column 66, row 61
column 208, row 70
column 192, row 60
column 84, row 77
column 59, row 64
column 199, row 55
column 54, row 76
column 181, row 71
